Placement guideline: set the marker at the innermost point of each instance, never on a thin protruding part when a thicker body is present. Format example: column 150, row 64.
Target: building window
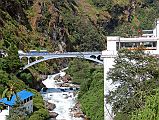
column 27, row 99
column 31, row 98
column 148, row 45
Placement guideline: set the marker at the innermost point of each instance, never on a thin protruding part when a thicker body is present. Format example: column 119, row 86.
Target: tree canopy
column 136, row 74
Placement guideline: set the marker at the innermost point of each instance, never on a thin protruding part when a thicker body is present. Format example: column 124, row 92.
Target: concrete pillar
column 20, row 59
column 157, row 28
column 111, row 42
column 36, row 58
column 108, row 58
column 28, row 60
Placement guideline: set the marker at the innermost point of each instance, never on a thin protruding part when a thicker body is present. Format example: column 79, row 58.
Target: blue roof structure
column 22, row 95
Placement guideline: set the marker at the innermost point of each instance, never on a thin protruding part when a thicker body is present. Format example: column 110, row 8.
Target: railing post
column 28, row 60
column 36, row 58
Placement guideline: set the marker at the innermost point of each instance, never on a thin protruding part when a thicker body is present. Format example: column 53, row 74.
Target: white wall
column 111, row 42
column 3, row 114
column 29, row 106
column 156, row 29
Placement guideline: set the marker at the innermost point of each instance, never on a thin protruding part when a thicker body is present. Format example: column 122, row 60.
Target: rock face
column 77, row 111
column 53, row 114
column 51, row 107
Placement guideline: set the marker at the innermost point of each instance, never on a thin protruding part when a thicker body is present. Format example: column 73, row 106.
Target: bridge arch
column 54, row 57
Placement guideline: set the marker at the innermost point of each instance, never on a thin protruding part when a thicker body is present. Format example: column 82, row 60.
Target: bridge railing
column 65, row 53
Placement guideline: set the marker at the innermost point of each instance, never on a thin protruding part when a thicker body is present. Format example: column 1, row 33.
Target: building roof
column 22, row 95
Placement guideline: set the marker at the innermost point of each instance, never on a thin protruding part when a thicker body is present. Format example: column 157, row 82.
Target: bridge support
column 108, row 58
column 20, row 59
column 36, row 58
column 28, row 60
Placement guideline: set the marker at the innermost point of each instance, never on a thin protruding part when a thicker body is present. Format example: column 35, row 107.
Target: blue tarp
column 22, row 95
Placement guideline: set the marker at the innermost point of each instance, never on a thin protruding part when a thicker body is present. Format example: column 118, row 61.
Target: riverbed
column 64, row 98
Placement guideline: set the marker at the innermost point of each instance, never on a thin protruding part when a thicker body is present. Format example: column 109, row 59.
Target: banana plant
column 9, row 91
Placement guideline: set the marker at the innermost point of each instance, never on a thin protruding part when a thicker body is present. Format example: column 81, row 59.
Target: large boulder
column 52, row 119
column 79, row 114
column 53, row 114
column 50, row 106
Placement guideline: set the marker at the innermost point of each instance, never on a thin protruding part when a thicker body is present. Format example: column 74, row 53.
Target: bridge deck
column 60, row 54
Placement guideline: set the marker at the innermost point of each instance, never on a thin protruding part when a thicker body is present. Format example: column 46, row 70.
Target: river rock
column 79, row 114
column 57, row 77
column 64, row 85
column 52, row 119
column 64, row 79
column 53, row 114
column 86, row 118
column 50, row 106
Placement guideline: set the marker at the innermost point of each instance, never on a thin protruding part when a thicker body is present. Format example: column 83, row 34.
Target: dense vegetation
column 65, row 25
column 91, row 95
column 136, row 95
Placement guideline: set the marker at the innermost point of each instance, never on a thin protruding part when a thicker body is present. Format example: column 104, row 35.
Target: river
column 64, row 98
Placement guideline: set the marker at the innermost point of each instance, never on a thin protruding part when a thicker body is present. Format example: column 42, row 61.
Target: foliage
column 125, row 30
column 4, row 77
column 82, row 34
column 150, row 110
column 92, row 100
column 9, row 92
column 27, row 77
column 11, row 63
column 41, row 114
column 150, row 12
column 91, row 87
column 135, row 74
column 79, row 70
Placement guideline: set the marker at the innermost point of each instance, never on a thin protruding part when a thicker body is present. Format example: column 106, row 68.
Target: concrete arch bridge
column 93, row 56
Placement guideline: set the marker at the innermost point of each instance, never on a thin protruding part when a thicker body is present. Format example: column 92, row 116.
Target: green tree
column 9, row 91
column 80, row 70
column 150, row 111
column 91, row 82
column 41, row 114
column 82, row 34
column 92, row 100
column 4, row 77
column 11, row 63
column 136, row 74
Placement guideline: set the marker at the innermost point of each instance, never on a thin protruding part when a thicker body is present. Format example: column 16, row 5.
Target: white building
column 26, row 101
column 150, row 42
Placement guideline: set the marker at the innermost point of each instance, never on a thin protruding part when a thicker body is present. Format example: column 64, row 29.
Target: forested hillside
column 63, row 25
